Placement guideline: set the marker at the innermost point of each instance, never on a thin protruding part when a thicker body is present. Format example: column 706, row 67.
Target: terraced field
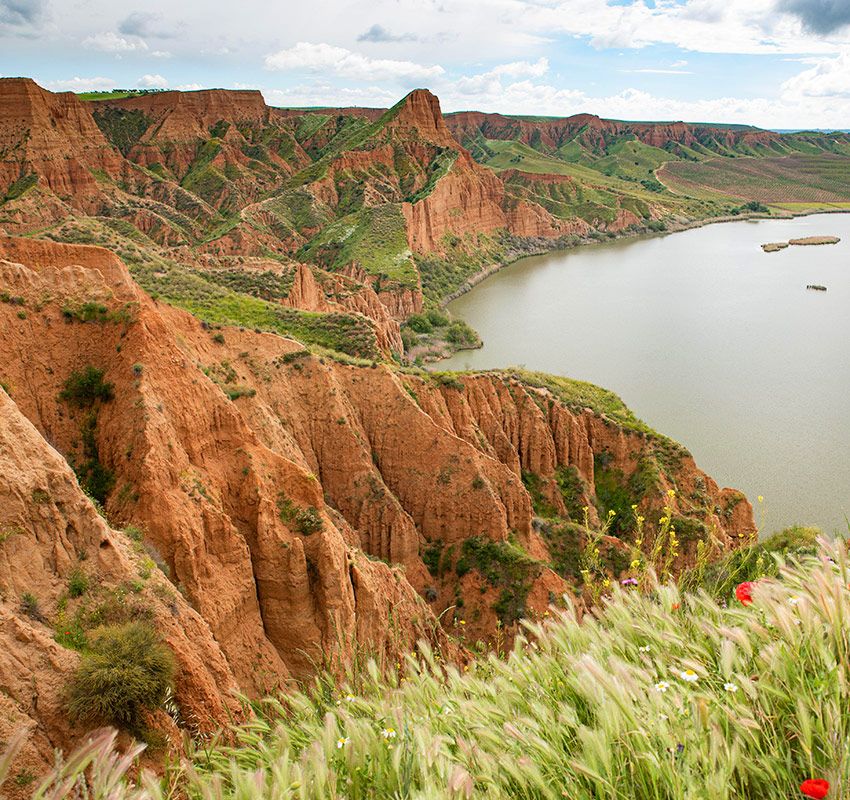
column 822, row 179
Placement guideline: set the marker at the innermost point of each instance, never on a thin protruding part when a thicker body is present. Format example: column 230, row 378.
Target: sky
column 772, row 63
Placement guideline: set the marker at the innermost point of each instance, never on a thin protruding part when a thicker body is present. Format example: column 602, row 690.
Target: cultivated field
column 795, row 179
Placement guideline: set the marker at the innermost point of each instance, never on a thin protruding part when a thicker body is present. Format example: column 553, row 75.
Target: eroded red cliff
column 294, row 503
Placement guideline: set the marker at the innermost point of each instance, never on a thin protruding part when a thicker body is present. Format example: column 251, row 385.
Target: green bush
column 437, row 318
column 30, row 607
column 419, row 323
column 78, row 583
column 127, row 670
column 84, row 387
column 96, row 479
column 504, row 566
column 305, row 520
column 460, row 334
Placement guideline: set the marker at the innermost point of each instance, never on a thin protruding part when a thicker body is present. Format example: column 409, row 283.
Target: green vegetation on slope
column 222, row 298
column 658, row 695
column 578, row 395
column 115, row 94
column 799, row 178
column 122, row 127
column 373, row 238
column 125, row 671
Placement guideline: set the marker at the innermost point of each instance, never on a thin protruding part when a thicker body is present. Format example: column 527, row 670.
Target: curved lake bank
column 708, row 339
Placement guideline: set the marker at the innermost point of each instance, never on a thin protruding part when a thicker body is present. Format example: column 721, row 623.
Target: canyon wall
column 290, row 503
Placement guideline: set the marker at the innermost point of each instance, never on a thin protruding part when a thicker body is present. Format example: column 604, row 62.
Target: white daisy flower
column 793, row 600
column 730, row 687
column 388, row 733
column 689, row 676
column 644, row 649
column 662, row 686
column 340, row 743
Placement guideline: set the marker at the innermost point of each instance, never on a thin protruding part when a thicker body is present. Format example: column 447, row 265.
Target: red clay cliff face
column 384, row 465
column 54, row 137
column 179, row 116
column 596, row 133
column 471, row 199
column 49, row 530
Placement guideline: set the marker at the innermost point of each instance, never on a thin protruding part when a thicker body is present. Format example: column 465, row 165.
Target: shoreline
column 486, row 272
column 749, row 479
column 492, row 269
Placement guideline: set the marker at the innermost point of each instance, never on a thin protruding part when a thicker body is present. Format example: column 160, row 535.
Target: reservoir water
column 709, row 340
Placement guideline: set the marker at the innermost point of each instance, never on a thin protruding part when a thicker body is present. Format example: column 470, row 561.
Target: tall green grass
column 656, row 695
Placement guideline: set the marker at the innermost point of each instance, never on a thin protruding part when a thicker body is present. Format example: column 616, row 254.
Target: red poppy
column 815, row 787
column 744, row 592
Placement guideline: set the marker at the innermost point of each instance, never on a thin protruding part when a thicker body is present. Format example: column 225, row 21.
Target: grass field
column 115, row 95
column 795, row 179
column 516, row 155
column 799, row 207
column 660, row 694
column 519, row 156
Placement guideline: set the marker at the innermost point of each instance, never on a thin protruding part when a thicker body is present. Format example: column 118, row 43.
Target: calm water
column 707, row 339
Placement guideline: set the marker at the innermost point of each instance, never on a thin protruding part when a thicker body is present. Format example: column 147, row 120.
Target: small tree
column 83, row 388
column 128, row 669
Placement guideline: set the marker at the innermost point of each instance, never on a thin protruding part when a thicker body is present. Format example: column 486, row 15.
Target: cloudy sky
column 774, row 63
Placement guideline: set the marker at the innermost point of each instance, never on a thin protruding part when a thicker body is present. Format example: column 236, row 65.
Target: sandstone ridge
column 301, row 509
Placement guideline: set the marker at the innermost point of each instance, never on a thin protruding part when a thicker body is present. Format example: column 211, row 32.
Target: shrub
column 419, row 323
column 305, row 520
column 431, row 556
column 308, row 520
column 460, row 334
column 40, row 496
column 437, row 318
column 30, row 607
column 127, row 670
column 505, row 566
column 78, row 583
column 96, row 480
column 84, row 387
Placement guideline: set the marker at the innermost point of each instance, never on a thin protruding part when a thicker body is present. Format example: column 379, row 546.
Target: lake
column 709, row 340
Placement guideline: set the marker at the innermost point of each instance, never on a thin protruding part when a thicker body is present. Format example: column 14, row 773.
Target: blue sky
column 775, row 63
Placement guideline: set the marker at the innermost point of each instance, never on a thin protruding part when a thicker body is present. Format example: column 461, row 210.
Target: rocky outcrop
column 50, row 530
column 338, row 292
column 294, row 503
column 52, row 140
column 181, row 116
column 596, row 134
column 471, row 199
column 419, row 116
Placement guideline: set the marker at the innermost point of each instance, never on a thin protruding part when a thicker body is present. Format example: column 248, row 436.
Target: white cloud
column 326, row 58
column 147, row 24
column 110, row 42
column 516, row 69
column 828, row 77
column 152, row 82
column 82, row 85
column 491, row 81
column 659, row 71
column 530, row 97
column 708, row 26
column 325, row 94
